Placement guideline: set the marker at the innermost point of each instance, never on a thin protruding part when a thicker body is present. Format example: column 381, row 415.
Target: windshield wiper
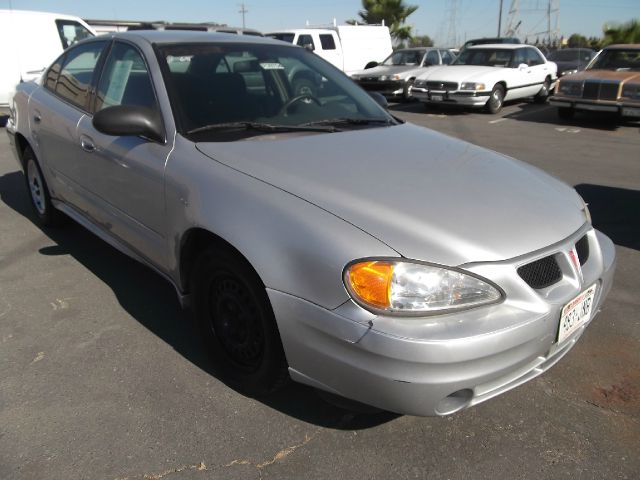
column 261, row 127
column 351, row 121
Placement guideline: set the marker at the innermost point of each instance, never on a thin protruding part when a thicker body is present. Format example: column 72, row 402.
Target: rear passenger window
column 306, row 40
column 125, row 80
column 327, row 42
column 75, row 77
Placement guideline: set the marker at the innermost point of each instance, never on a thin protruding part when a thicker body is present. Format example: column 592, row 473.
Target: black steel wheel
column 236, row 321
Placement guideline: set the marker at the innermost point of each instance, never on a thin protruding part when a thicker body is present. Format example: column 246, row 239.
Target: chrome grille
column 541, row 273
column 432, row 85
column 609, row 91
column 590, row 90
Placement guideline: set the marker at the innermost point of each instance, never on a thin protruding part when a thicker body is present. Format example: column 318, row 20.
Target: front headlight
column 568, row 72
column 472, row 86
column 395, row 77
column 401, row 287
column 631, row 91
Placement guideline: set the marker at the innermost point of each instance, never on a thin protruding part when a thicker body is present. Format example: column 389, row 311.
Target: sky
column 473, row 18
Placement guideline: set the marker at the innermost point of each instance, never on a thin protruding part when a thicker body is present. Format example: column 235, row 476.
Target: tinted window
column 432, row 58
column 485, row 56
column 327, row 42
column 51, row 77
column 305, row 40
column 71, row 32
column 447, row 57
column 75, row 77
column 404, row 57
column 125, row 80
column 618, row 59
column 519, row 57
column 533, row 57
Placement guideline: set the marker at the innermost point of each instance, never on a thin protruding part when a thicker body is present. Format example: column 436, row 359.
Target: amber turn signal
column 371, row 282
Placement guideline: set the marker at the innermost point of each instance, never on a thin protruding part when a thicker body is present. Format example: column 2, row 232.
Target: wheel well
column 21, row 145
column 195, row 241
column 504, row 85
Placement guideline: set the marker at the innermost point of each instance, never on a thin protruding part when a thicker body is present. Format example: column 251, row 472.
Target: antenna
column 243, row 10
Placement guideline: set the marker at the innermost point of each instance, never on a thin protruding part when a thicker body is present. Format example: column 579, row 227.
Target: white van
column 32, row 40
column 349, row 47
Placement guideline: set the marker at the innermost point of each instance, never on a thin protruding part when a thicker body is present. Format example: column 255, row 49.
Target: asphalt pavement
column 102, row 376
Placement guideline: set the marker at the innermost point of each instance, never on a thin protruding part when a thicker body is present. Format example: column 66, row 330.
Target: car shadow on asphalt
column 152, row 301
column 587, row 120
column 615, row 212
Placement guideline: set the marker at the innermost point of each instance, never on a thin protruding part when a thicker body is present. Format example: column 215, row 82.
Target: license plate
column 631, row 112
column 576, row 313
column 436, row 98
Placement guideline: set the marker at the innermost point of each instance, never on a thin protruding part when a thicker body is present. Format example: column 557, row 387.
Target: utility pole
column 500, row 18
column 243, row 10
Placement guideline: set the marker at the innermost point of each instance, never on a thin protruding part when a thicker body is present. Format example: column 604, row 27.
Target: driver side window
column 125, row 80
column 519, row 58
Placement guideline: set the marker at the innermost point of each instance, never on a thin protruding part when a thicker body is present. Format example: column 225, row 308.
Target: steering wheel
column 292, row 100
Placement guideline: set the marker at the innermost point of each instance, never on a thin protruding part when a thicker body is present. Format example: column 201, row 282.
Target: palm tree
column 394, row 13
column 626, row 33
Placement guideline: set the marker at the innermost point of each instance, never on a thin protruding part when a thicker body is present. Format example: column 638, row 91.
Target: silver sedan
column 316, row 237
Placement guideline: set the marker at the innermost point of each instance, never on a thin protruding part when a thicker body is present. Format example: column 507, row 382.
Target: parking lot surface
column 102, row 375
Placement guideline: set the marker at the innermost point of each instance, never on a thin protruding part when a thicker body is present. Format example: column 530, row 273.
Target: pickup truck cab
column 350, row 48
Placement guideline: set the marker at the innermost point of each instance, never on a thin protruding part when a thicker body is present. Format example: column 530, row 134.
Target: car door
column 520, row 81
column 539, row 68
column 55, row 110
column 126, row 174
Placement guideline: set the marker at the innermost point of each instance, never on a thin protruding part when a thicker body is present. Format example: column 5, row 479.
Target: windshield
column 571, row 55
column 621, row 60
column 262, row 88
column 285, row 37
column 404, row 57
column 491, row 57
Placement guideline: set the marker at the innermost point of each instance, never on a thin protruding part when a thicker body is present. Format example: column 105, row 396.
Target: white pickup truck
column 351, row 48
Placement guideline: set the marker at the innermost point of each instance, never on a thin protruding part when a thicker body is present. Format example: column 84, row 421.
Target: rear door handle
column 87, row 144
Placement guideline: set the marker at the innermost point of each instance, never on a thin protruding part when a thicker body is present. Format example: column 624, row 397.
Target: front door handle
column 37, row 118
column 87, row 144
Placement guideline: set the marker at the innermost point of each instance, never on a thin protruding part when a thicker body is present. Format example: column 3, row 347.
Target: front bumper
column 450, row 97
column 625, row 109
column 441, row 364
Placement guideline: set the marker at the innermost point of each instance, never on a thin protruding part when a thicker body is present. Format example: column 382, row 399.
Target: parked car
column 487, row 76
column 31, row 41
column 394, row 77
column 610, row 83
column 306, row 244
column 350, row 48
column 571, row 60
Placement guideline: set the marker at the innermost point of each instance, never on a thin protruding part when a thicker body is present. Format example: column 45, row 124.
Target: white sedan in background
column 487, row 76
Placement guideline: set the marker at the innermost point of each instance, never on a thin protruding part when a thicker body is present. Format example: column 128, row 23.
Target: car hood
column 459, row 73
column 428, row 196
column 389, row 70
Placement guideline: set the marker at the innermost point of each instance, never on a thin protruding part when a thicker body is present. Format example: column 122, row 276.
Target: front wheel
column 406, row 91
column 236, row 321
column 496, row 100
column 39, row 197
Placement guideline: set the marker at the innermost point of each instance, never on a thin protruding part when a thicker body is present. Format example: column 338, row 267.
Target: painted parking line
column 498, row 120
column 567, row 130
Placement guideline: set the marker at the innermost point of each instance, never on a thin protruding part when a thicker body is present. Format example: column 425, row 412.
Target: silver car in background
column 308, row 246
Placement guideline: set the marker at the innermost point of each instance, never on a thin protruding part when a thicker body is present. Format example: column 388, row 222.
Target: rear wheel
column 496, row 100
column 39, row 197
column 406, row 92
column 566, row 113
column 236, row 321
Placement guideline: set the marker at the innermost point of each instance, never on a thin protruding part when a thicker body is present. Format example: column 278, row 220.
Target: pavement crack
column 157, row 476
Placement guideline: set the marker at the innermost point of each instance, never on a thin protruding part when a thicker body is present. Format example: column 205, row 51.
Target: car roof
column 184, row 36
column 625, row 46
column 503, row 46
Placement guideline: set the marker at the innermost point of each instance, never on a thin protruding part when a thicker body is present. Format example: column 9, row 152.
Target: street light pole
column 500, row 18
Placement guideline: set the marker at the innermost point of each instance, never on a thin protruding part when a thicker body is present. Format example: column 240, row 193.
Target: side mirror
column 129, row 120
column 523, row 66
column 308, row 46
column 371, row 65
column 380, row 99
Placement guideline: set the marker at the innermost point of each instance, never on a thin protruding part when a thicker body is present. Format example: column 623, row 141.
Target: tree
column 394, row 13
column 628, row 32
column 577, row 41
column 421, row 41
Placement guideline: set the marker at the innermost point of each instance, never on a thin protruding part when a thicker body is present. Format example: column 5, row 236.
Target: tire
column 566, row 113
column 496, row 100
column 406, row 92
column 39, row 197
column 234, row 316
column 543, row 94
column 304, row 86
